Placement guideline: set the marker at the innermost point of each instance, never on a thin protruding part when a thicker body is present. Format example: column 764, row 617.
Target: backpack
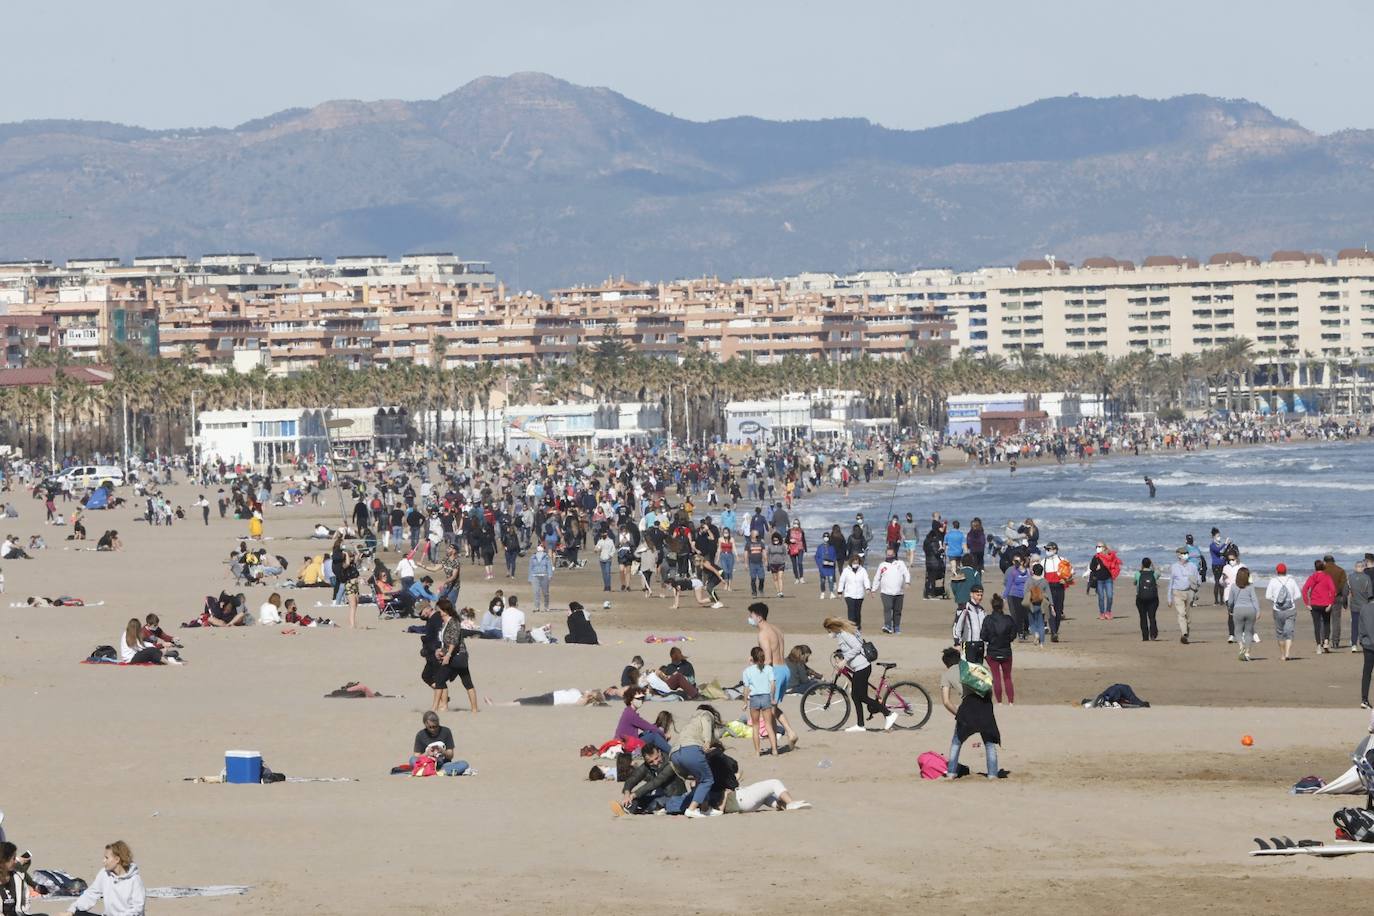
column 1284, row 602
column 1356, row 824
column 870, row 651
column 932, row 765
column 104, row 654
column 1036, row 595
column 1148, row 586
column 975, row 677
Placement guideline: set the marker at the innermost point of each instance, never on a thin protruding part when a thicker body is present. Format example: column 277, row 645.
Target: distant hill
column 559, row 184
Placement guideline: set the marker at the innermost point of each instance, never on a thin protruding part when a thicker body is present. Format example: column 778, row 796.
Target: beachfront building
column 260, row 437
column 530, row 428
column 234, row 311
column 1000, row 413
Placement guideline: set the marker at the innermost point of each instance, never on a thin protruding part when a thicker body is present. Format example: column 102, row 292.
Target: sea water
column 1290, row 503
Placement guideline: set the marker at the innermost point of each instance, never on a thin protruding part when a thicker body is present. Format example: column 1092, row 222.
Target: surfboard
column 1336, row 849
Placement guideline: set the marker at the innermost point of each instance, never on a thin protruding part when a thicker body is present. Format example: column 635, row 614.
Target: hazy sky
column 161, row 63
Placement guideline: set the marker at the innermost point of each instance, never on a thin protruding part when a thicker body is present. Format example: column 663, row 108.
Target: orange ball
column 1246, row 740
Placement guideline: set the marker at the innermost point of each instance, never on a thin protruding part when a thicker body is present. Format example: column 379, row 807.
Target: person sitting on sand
column 153, row 634
column 36, row 542
column 512, row 619
column 134, row 651
column 633, row 725
column 436, row 740
column 119, row 885
column 580, row 629
column 800, row 675
column 570, row 696
column 78, row 527
column 649, row 785
column 491, row 620
column 269, row 614
column 10, row 550
column 109, row 541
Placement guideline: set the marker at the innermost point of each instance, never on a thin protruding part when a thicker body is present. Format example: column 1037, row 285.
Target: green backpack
column 975, row 677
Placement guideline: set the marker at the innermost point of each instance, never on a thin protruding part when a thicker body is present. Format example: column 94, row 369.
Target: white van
column 89, row 476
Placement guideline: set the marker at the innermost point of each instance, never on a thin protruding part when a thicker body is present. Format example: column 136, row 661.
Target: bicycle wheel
column 825, row 706
column 910, row 702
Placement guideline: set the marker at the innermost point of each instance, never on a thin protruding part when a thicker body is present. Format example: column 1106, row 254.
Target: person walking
column 1364, row 639
column 1244, row 607
column 1014, row 591
column 1058, row 576
column 1147, row 600
column 605, row 555
column 1102, row 573
column 540, row 576
column 998, row 633
column 1184, row 582
column 1361, row 599
column 1342, row 583
column 890, row 582
column 1282, row 593
column 850, row 651
column 1319, row 592
column 755, row 553
column 853, row 584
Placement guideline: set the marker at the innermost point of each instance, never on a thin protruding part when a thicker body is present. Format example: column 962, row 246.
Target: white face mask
column 751, row 621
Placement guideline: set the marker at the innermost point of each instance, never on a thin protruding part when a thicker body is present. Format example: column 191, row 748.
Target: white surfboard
column 1335, row 849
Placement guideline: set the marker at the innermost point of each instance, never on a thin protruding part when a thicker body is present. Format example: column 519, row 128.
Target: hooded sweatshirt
column 123, row 894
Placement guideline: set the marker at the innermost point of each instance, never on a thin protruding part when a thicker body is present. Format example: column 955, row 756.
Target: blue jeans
column 605, row 575
column 1037, row 622
column 727, row 566
column 654, row 739
column 988, row 747
column 540, row 585
column 510, row 563
column 692, row 761
column 1106, row 590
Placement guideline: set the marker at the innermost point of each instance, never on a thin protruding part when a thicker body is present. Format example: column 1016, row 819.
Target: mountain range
column 558, row 184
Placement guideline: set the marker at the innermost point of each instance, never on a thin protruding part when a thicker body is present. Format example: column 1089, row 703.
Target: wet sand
column 1127, row 811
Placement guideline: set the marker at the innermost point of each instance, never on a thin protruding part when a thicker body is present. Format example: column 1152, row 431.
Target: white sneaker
column 1257, row 638
column 1354, row 648
column 712, row 812
column 797, row 806
column 1230, row 639
column 856, row 728
column 890, row 721
column 717, row 604
column 174, row 661
column 693, row 812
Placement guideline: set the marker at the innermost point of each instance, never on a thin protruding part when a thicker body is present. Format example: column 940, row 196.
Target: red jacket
column 1319, row 590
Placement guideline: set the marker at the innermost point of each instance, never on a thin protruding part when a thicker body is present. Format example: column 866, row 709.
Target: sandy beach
column 1125, row 810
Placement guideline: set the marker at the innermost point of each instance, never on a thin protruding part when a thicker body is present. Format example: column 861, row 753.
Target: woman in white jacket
column 119, row 885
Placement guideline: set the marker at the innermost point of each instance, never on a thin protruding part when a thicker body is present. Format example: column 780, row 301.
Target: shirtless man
column 774, row 655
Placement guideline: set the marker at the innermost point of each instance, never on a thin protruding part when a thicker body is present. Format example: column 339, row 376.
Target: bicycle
column 825, row 705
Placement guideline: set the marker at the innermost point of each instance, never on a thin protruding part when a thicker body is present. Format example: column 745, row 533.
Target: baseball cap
column 1182, row 551
column 1281, row 569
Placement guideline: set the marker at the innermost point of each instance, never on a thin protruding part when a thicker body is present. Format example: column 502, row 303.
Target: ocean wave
column 1152, row 509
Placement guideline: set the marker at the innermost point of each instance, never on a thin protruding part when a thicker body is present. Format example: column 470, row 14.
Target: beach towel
column 171, row 893
column 660, row 640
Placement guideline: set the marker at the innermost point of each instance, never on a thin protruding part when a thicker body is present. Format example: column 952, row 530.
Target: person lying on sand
column 572, row 696
column 59, row 601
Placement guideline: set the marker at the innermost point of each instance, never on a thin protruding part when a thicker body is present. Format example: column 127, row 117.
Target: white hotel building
column 1293, row 304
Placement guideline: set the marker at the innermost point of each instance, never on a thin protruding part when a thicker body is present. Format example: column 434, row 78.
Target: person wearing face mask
column 634, row 725
column 853, row 584
column 540, row 575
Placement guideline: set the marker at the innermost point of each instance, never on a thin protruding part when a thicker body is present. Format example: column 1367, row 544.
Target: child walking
column 1036, row 590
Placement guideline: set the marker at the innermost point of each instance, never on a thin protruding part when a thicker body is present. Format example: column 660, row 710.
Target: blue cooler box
column 243, row 766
